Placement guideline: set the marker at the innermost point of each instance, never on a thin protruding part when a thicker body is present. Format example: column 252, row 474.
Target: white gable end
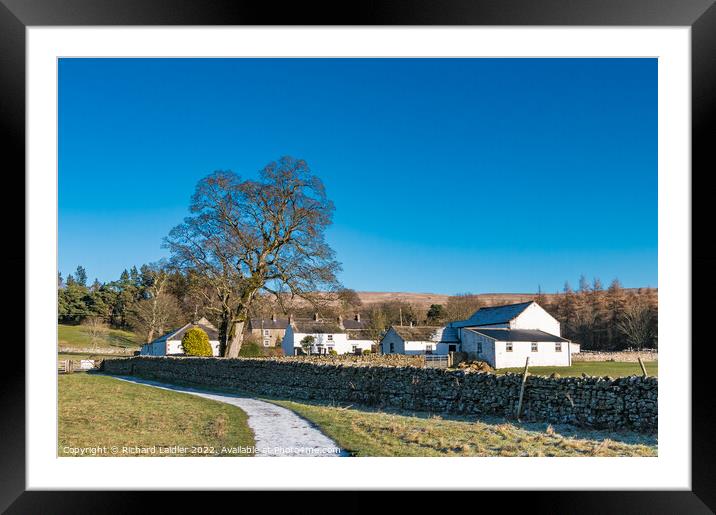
column 535, row 317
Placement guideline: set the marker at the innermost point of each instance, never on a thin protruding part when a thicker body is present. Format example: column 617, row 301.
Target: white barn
column 503, row 336
column 343, row 337
column 170, row 343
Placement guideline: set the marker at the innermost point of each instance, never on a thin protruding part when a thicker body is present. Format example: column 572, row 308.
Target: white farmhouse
column 503, row 336
column 343, row 337
column 170, row 343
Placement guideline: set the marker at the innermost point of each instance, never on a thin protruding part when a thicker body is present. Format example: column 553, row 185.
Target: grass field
column 592, row 368
column 95, row 410
column 75, row 336
column 373, row 433
column 86, row 355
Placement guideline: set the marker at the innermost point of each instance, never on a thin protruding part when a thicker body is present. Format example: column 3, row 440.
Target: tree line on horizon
column 154, row 299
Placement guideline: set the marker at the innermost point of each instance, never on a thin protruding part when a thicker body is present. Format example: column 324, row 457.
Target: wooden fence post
column 643, row 367
column 522, row 388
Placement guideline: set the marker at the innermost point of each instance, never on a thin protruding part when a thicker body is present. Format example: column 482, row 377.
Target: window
column 266, row 332
column 508, row 346
column 479, row 347
column 330, row 337
column 558, row 347
column 392, row 347
column 452, row 348
column 354, row 349
column 267, row 343
column 534, row 346
column 428, row 349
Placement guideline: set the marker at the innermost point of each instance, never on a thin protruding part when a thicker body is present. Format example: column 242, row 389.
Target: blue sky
column 448, row 175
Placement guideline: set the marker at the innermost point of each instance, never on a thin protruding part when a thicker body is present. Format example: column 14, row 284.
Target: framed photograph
column 446, row 246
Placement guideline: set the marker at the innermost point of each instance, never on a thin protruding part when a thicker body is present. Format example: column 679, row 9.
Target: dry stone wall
column 629, row 403
column 362, row 360
column 629, row 356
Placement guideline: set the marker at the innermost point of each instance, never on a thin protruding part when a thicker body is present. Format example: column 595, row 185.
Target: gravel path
column 278, row 431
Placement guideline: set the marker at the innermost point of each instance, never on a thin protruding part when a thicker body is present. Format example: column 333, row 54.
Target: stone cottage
column 269, row 332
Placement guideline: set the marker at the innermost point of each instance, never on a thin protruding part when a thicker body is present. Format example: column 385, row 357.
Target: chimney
column 315, row 317
column 273, row 317
column 357, row 317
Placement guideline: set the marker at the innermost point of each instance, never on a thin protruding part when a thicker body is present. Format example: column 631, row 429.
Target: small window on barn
column 392, row 347
column 508, row 346
column 428, row 349
column 558, row 347
column 534, row 346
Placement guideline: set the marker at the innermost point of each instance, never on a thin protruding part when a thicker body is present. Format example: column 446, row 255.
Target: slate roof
column 351, row 324
column 493, row 315
column 267, row 323
column 316, row 327
column 517, row 335
column 361, row 334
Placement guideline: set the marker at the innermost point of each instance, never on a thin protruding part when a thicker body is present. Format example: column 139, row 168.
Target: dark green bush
column 333, row 352
column 196, row 342
column 250, row 349
column 366, row 352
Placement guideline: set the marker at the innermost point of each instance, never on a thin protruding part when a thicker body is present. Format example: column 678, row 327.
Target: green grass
column 100, row 411
column 374, row 433
column 86, row 355
column 75, row 336
column 591, row 368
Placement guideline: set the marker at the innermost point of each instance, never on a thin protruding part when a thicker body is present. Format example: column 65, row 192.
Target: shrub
column 366, row 352
column 333, row 352
column 196, row 343
column 307, row 343
column 250, row 349
column 272, row 351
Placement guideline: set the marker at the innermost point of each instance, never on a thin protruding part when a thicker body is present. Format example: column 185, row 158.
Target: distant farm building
column 503, row 336
column 170, row 343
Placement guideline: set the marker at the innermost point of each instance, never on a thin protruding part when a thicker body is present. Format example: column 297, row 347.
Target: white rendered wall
column 545, row 356
column 175, row 347
column 392, row 337
column 339, row 343
column 469, row 345
column 534, row 317
column 361, row 344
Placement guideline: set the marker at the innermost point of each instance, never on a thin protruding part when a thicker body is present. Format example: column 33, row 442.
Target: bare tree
column 376, row 326
column 158, row 310
column 245, row 236
column 96, row 329
column 636, row 324
column 462, row 306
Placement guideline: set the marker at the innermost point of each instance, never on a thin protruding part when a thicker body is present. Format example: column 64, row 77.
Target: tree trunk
column 234, row 340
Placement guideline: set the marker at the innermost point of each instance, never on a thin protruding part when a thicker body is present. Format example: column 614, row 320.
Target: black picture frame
column 700, row 15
